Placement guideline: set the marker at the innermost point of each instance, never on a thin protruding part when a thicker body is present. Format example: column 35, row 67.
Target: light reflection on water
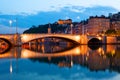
column 74, row 63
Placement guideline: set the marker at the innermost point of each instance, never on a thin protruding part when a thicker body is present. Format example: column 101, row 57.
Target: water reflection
column 4, row 46
column 105, row 57
column 49, row 47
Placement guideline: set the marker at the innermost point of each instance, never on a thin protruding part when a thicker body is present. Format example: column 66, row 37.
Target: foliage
column 44, row 28
column 118, row 32
column 111, row 32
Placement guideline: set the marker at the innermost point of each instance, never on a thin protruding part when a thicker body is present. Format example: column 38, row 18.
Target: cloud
column 77, row 9
column 2, row 19
column 33, row 7
column 78, row 17
column 9, row 30
column 76, row 13
column 67, row 17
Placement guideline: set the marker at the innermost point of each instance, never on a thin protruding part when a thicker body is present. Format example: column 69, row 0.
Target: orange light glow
column 99, row 38
column 77, row 51
column 77, row 38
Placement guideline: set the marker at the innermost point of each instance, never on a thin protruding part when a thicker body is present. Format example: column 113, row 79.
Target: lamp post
column 83, row 28
column 49, row 29
column 71, row 26
column 16, row 25
column 10, row 22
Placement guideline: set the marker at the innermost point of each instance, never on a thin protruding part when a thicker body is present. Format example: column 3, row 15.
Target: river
column 61, row 62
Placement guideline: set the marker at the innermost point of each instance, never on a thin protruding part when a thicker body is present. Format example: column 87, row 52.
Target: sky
column 36, row 12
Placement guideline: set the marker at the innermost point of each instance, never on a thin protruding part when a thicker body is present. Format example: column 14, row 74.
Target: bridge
column 19, row 39
column 28, row 37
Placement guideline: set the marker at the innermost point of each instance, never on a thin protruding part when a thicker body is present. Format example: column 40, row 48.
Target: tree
column 111, row 32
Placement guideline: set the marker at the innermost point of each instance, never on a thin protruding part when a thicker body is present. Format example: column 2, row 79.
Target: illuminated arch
column 29, row 37
column 7, row 41
column 8, row 45
column 58, row 38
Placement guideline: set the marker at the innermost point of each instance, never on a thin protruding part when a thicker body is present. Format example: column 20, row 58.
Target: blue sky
column 35, row 12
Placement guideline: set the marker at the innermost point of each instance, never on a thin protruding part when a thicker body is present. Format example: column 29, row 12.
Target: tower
column 49, row 29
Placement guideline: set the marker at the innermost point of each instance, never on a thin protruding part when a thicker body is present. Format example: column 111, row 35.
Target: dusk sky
column 36, row 12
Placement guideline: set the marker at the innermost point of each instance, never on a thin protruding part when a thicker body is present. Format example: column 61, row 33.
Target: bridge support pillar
column 36, row 44
column 84, row 39
column 43, row 48
column 104, row 40
column 111, row 40
column 30, row 45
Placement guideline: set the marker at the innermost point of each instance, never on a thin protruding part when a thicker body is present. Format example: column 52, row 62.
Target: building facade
column 98, row 25
column 93, row 26
column 115, row 21
column 115, row 25
column 61, row 22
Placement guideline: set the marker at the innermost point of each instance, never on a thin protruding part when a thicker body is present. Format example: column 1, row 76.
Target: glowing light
column 24, row 38
column 10, row 22
column 100, row 50
column 86, row 58
column 77, row 37
column 10, row 68
column 113, row 52
column 24, row 54
column 77, row 51
column 99, row 38
column 71, row 63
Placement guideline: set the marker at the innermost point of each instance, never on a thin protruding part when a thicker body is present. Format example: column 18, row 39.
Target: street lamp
column 10, row 22
column 49, row 29
column 16, row 25
column 71, row 28
column 83, row 28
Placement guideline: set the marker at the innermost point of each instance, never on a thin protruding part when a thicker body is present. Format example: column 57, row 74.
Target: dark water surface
column 61, row 63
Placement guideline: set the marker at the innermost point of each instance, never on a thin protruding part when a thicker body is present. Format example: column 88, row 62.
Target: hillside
column 55, row 28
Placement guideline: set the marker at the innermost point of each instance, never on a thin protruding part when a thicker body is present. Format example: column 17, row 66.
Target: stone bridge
column 19, row 39
column 28, row 37
column 10, row 38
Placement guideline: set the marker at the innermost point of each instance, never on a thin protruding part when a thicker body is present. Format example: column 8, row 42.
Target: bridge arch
column 7, row 41
column 28, row 37
column 56, row 38
column 95, row 41
column 5, row 45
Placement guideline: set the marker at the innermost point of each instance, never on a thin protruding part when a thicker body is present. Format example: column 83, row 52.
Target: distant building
column 94, row 25
column 61, row 22
column 115, row 17
column 98, row 25
column 115, row 25
column 78, row 29
column 49, row 29
column 115, row 21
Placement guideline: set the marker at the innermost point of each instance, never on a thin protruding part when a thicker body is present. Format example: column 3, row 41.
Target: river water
column 61, row 62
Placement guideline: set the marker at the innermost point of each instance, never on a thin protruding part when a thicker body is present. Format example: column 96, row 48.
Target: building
column 115, row 17
column 115, row 21
column 61, row 22
column 115, row 25
column 93, row 25
column 80, row 28
column 98, row 25
column 49, row 29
